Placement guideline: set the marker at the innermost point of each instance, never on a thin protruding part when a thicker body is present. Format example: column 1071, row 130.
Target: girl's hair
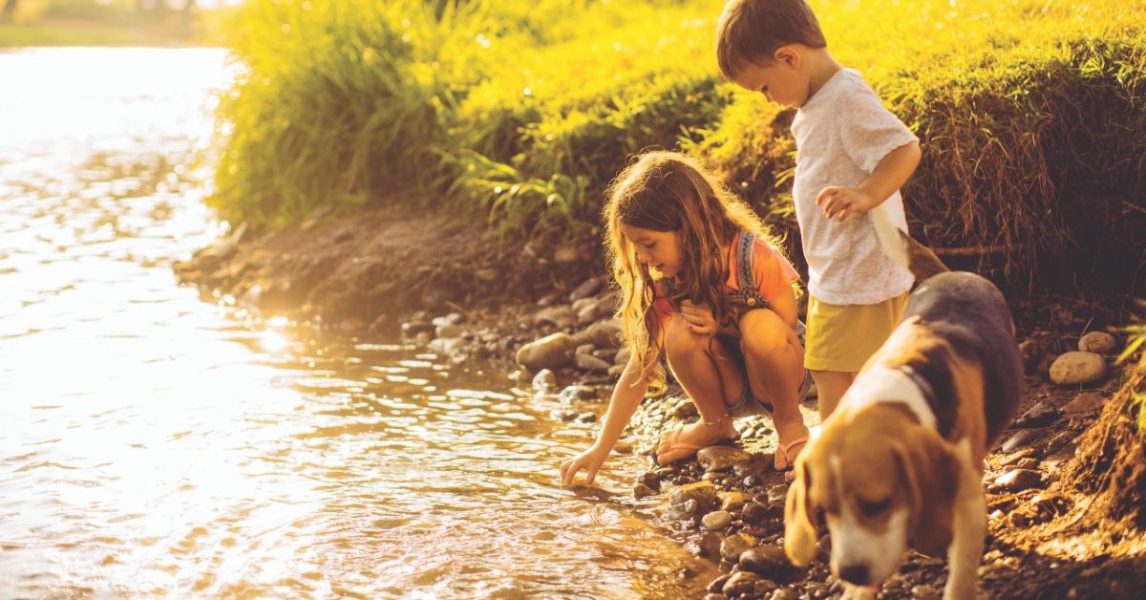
column 668, row 191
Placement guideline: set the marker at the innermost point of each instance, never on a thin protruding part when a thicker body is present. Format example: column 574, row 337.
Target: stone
column 769, row 561
column 733, row 501
column 702, row 492
column 1039, row 415
column 1018, row 480
column 741, row 583
column 588, row 362
column 716, row 520
column 755, row 513
column 735, row 545
column 1023, row 437
column 721, row 458
column 650, row 479
column 1099, row 342
column 1074, row 368
column 1084, row 403
column 544, row 381
column 643, row 491
column 602, row 334
column 550, row 352
column 717, row 585
column 586, row 289
column 559, row 316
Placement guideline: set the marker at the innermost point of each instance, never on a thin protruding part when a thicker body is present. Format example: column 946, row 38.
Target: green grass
column 1031, row 112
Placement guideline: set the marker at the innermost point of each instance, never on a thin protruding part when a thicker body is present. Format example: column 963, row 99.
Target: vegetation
column 1031, row 112
column 26, row 23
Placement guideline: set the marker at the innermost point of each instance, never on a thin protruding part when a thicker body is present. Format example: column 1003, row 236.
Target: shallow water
column 159, row 443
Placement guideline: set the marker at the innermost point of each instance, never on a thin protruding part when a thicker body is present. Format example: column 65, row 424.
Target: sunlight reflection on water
column 157, row 444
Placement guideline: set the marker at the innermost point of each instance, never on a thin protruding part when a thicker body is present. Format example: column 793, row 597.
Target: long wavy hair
column 668, row 191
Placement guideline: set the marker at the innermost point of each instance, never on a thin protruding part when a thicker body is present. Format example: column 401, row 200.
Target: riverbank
column 464, row 293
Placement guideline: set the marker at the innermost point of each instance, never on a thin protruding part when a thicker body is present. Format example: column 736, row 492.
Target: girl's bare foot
column 682, row 442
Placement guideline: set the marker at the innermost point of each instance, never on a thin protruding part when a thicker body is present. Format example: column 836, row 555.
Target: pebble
column 721, row 458
column 1099, row 342
column 1084, row 404
column 1074, row 368
column 1018, row 480
column 716, row 520
column 755, row 513
column 716, row 585
column 765, row 560
column 544, row 381
column 741, row 583
column 1024, row 437
column 735, row 545
column 643, row 491
column 1039, row 415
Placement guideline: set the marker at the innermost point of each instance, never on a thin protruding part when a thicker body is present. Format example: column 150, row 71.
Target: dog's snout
column 856, row 574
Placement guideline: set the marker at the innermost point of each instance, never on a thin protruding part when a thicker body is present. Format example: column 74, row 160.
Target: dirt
column 1074, row 530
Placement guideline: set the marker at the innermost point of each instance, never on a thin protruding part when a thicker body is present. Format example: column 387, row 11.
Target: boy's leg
column 774, row 361
column 709, row 384
column 830, row 387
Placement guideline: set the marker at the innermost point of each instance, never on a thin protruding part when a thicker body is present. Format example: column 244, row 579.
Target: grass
column 1031, row 114
column 107, row 23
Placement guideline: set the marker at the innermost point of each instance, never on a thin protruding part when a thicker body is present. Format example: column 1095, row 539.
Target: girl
column 675, row 239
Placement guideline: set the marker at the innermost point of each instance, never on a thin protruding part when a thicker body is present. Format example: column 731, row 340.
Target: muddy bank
column 543, row 311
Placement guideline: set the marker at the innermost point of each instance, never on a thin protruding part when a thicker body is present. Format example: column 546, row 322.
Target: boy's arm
column 889, row 175
column 627, row 395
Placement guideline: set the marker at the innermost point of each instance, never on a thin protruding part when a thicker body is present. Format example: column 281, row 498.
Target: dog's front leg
column 970, row 527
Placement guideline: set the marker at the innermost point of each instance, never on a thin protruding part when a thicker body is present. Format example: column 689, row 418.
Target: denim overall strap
column 747, row 295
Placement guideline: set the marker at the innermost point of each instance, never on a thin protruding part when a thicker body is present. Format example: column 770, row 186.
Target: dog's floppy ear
column 799, row 529
column 931, row 474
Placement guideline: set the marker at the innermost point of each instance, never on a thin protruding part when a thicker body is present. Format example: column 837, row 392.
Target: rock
column 544, row 381
column 1018, row 480
column 709, row 546
column 650, row 479
column 777, row 494
column 599, row 309
column 550, row 352
column 413, row 328
column 741, row 583
column 558, row 316
column 1073, row 368
column 717, row 585
column 769, row 561
column 786, row 593
column 1099, row 342
column 735, row 545
column 588, row 362
column 733, row 501
column 759, row 514
column 586, row 289
column 1039, row 415
column 721, row 458
column 582, row 348
column 1084, row 404
column 1022, row 438
column 702, row 492
column 716, row 520
column 643, row 491
column 602, row 334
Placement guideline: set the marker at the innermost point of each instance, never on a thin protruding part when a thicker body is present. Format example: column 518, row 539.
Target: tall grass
column 1031, row 112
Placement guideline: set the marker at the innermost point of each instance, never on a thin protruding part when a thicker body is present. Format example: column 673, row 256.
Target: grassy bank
column 38, row 23
column 1031, row 113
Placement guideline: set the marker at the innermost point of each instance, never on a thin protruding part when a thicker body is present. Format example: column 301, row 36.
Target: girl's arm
column 889, row 175
column 627, row 396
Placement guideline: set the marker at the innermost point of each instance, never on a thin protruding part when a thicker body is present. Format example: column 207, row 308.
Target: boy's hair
column 751, row 30
column 668, row 191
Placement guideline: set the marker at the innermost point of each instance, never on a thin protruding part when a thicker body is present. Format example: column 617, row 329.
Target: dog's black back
column 971, row 313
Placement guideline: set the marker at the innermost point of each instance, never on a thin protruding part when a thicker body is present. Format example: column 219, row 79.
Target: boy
column 852, row 158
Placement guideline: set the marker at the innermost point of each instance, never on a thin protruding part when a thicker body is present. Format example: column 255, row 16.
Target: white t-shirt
column 842, row 132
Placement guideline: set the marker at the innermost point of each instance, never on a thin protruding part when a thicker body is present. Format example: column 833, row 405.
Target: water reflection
column 158, row 444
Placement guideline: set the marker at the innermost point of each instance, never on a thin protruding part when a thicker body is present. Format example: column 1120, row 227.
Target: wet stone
column 733, row 501
column 1018, row 480
column 717, row 520
column 735, row 545
column 741, row 583
column 544, row 381
column 765, row 560
column 1099, row 342
column 786, row 593
column 1023, row 437
column 643, row 491
column 755, row 513
column 716, row 585
column 721, row 458
column 1039, row 415
column 651, row 480
column 702, row 494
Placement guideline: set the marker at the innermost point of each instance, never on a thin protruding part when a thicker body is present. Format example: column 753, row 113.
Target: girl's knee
column 763, row 334
column 680, row 340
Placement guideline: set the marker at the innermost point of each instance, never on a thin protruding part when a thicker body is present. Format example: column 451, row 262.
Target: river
column 160, row 442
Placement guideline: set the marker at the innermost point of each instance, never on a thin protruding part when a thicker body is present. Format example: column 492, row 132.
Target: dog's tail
column 904, row 249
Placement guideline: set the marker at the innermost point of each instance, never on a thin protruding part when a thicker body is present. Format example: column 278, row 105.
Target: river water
column 157, row 442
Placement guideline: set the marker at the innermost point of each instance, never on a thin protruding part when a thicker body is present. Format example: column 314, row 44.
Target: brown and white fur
column 899, row 462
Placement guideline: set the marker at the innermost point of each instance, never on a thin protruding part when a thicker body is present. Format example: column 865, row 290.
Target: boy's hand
column 699, row 317
column 590, row 460
column 843, row 202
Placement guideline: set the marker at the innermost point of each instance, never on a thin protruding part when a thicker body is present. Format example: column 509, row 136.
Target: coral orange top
column 771, row 271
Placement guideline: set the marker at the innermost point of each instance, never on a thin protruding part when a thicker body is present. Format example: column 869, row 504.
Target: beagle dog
column 899, row 463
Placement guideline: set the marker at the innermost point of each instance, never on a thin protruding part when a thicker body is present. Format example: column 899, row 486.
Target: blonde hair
column 668, row 191
column 751, row 30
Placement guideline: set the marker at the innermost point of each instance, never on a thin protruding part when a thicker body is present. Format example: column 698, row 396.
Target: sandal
column 785, row 450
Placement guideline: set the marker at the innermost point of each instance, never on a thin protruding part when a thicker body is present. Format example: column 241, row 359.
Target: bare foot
column 684, row 441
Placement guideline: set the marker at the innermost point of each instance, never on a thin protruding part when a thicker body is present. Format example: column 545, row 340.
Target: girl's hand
column 843, row 202
column 699, row 317
column 590, row 460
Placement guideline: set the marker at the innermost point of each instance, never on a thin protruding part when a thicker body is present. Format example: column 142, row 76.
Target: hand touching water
column 590, row 459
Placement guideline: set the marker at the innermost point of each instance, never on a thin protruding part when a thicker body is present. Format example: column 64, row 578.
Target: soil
column 1073, row 527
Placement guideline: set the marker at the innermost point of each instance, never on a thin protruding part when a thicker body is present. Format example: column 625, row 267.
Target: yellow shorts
column 841, row 337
